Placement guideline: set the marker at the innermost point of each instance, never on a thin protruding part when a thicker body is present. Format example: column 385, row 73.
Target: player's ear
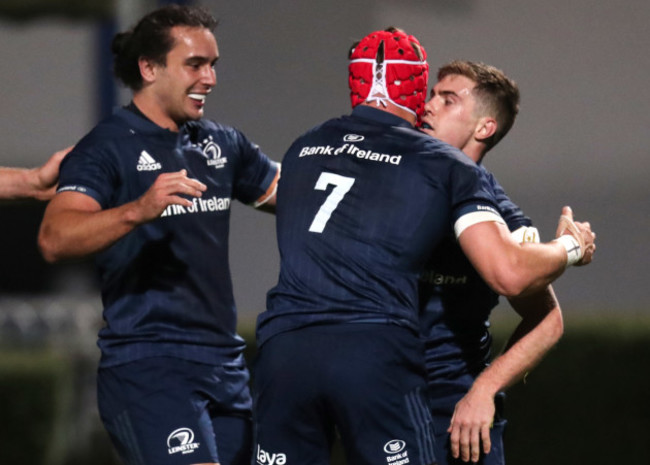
column 147, row 69
column 485, row 128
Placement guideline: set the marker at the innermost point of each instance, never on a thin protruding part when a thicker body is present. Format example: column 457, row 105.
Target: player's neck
column 394, row 110
column 152, row 110
column 475, row 150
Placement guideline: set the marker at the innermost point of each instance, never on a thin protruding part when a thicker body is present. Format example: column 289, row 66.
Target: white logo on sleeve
column 181, row 440
column 147, row 163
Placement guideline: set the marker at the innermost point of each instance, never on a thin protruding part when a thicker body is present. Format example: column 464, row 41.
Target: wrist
column 131, row 214
column 484, row 388
column 572, row 247
column 29, row 182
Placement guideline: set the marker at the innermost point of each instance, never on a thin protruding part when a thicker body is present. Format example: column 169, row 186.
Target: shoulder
column 441, row 157
column 209, row 130
column 116, row 127
column 491, row 179
column 210, row 125
column 342, row 123
column 510, row 211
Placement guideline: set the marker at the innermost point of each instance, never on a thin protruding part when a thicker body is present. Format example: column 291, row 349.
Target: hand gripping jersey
column 362, row 201
column 455, row 307
column 166, row 286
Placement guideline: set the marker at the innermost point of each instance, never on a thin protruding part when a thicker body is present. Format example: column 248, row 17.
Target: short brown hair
column 496, row 94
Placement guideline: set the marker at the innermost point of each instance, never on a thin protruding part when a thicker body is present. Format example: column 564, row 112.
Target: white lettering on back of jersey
column 350, row 149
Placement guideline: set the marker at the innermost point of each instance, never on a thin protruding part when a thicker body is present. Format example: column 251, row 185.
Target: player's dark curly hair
column 496, row 94
column 151, row 39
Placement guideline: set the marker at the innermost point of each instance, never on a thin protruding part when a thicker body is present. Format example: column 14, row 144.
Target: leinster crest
column 212, row 152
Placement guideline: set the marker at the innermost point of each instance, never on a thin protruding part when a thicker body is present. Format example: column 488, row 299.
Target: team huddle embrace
column 395, row 244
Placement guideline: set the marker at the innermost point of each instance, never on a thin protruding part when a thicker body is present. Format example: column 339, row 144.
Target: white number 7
column 342, row 185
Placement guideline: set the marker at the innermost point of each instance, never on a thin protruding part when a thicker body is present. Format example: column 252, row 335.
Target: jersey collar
column 380, row 116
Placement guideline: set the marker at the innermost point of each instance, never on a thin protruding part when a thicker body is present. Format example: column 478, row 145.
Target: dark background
column 580, row 139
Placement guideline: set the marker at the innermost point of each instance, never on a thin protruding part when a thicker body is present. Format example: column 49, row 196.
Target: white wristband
column 573, row 249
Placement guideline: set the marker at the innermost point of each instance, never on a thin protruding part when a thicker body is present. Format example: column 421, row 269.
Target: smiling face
column 450, row 114
column 175, row 92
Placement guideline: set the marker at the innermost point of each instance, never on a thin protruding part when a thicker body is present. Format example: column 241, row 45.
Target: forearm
column 533, row 267
column 508, row 267
column 74, row 233
column 539, row 330
column 512, row 269
column 19, row 183
column 74, row 224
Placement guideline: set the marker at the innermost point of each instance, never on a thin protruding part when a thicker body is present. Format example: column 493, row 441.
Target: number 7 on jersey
column 342, row 185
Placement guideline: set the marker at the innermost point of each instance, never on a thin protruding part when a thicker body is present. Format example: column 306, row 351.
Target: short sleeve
column 255, row 173
column 90, row 171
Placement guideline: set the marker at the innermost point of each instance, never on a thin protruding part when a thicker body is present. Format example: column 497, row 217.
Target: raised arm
column 514, row 269
column 74, row 224
column 37, row 183
column 540, row 329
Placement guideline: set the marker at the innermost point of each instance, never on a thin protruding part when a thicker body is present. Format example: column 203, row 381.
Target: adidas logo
column 147, row 163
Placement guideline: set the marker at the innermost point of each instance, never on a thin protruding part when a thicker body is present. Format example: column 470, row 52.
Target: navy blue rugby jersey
column 456, row 304
column 362, row 201
column 166, row 286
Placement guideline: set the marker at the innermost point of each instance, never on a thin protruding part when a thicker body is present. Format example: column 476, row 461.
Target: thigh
column 156, row 411
column 291, row 418
column 226, row 392
column 234, row 437
column 379, row 398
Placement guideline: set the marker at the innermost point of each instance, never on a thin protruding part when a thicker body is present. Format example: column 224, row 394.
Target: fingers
column 582, row 232
column 178, row 183
column 566, row 224
column 487, row 442
column 473, row 451
column 588, row 255
column 62, row 153
column 454, row 439
column 168, row 189
column 176, row 200
column 588, row 239
column 465, row 441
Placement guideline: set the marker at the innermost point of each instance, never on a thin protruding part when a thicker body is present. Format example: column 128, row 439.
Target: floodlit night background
column 581, row 139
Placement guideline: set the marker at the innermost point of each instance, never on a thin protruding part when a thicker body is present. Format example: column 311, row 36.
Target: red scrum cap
column 384, row 66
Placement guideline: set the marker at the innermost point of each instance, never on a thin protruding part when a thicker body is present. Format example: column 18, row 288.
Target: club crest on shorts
column 396, row 455
column 181, row 440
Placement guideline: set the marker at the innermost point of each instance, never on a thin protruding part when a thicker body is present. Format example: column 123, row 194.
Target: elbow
column 47, row 247
column 507, row 283
column 557, row 325
column 511, row 279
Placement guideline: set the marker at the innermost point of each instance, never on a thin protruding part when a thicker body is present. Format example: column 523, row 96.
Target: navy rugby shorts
column 443, row 403
column 169, row 411
column 364, row 382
